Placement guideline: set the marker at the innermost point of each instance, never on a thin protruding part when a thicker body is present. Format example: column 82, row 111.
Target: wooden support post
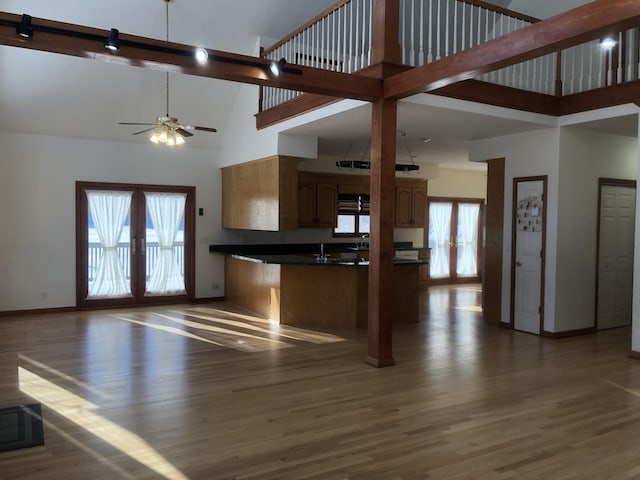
column 383, row 157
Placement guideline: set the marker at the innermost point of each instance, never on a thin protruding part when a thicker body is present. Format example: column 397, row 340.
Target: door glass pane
column 467, row 264
column 164, row 251
column 439, row 238
column 109, row 257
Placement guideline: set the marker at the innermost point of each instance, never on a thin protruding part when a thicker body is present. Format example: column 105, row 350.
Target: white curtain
column 439, row 236
column 166, row 211
column 467, row 239
column 109, row 210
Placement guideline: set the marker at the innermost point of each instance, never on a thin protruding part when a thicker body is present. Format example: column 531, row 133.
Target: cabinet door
column 418, row 208
column 326, row 205
column 403, row 207
column 306, row 204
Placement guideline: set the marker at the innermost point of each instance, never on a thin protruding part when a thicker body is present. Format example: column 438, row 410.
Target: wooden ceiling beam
column 574, row 27
column 88, row 42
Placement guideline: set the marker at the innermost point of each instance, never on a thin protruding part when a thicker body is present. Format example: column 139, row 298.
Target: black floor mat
column 21, row 427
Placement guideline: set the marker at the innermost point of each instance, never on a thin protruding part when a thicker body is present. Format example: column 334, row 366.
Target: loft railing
column 340, row 39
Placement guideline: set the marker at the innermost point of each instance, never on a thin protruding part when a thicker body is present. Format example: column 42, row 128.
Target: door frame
column 543, row 254
column 602, row 182
column 138, row 298
column 453, row 279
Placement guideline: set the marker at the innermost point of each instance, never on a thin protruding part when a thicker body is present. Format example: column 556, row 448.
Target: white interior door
column 528, row 256
column 615, row 255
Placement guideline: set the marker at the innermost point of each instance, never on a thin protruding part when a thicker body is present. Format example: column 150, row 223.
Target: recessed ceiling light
column 424, row 140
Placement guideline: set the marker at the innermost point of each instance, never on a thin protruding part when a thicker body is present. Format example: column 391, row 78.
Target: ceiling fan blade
column 130, row 123
column 201, row 129
column 206, row 129
column 183, row 132
column 145, row 130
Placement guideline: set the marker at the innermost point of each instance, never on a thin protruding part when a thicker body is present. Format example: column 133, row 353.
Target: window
column 353, row 215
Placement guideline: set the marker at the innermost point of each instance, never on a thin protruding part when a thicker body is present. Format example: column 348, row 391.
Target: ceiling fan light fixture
column 276, row 67
column 25, row 29
column 113, row 43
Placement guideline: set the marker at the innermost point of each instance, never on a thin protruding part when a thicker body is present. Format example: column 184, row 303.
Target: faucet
column 364, row 235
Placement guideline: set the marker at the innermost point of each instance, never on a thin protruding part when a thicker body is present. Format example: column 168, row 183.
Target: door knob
column 518, row 263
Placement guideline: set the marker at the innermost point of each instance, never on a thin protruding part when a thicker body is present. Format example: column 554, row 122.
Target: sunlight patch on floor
column 470, row 308
column 81, row 412
column 64, row 376
column 215, row 315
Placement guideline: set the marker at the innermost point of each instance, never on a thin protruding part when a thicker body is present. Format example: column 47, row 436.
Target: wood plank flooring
column 208, row 392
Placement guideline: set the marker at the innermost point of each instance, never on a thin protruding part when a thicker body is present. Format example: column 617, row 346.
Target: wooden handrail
column 301, row 29
column 503, row 11
column 341, row 3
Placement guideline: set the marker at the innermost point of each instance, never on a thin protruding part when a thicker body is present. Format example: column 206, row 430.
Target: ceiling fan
column 167, row 129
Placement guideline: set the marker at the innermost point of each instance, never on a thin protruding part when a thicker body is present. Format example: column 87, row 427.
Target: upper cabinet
column 317, row 201
column 261, row 195
column 411, row 199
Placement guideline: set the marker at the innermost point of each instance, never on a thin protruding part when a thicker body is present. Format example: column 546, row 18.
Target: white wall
column 37, row 211
column 585, row 156
column 527, row 154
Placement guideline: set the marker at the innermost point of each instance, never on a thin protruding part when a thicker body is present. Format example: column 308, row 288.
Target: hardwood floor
column 205, row 392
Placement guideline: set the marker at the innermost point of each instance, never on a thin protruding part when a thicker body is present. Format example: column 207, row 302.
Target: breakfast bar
column 294, row 286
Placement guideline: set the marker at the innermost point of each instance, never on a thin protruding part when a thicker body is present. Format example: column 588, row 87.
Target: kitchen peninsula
column 296, row 285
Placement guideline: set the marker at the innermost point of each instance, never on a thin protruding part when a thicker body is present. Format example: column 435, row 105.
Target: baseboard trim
column 36, row 311
column 43, row 311
column 569, row 333
column 635, row 354
column 209, row 300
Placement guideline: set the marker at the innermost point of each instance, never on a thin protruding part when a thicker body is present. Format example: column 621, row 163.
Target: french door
column 455, row 239
column 135, row 244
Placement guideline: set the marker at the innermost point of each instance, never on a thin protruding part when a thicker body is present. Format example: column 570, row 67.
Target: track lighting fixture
column 201, row 55
column 25, row 29
column 608, row 42
column 113, row 43
column 276, row 67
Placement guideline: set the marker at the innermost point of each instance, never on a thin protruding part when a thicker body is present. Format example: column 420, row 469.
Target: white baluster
column 479, row 26
column 446, row 29
column 455, row 27
column 344, row 66
column 370, row 32
column 364, row 34
column 421, row 48
column 464, row 27
column 412, row 51
column 430, row 28
column 438, row 38
column 620, row 58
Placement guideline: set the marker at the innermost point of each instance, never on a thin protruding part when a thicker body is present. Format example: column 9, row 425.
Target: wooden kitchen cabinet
column 411, row 203
column 261, row 195
column 317, row 203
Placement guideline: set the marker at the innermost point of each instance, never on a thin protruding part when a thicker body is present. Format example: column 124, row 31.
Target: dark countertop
column 303, row 254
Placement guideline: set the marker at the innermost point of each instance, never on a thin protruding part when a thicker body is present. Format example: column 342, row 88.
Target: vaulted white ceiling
column 56, row 95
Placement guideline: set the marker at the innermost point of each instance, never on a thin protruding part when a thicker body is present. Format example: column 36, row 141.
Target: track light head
column 113, row 43
column 25, row 29
column 201, row 55
column 608, row 42
column 276, row 67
